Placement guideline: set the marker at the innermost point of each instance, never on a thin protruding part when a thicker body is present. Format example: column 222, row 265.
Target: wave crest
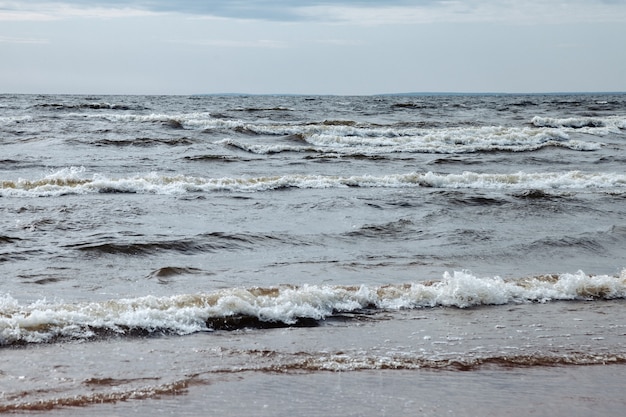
column 593, row 125
column 284, row 305
column 72, row 181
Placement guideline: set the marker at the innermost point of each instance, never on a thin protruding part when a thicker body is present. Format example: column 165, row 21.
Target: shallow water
column 560, row 357
column 166, row 253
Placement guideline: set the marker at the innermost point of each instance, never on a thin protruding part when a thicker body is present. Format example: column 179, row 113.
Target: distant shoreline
column 416, row 94
column 407, row 94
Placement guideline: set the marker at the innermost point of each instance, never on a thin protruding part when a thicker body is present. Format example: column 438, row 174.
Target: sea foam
column 364, row 138
column 44, row 321
column 74, row 181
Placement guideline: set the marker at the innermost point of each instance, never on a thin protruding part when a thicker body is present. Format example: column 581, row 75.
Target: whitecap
column 44, row 321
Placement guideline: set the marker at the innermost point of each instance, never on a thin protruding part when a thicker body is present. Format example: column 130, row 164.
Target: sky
column 343, row 47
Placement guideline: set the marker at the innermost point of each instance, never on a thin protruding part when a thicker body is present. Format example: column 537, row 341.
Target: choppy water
column 153, row 245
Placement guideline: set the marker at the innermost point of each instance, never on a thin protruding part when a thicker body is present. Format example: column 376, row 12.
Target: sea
column 275, row 255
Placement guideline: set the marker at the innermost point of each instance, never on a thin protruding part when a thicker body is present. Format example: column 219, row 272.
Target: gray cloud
column 273, row 10
column 353, row 11
column 340, row 46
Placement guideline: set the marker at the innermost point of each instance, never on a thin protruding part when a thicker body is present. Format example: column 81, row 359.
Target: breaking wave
column 73, row 181
column 6, row 120
column 444, row 141
column 347, row 136
column 593, row 125
column 89, row 106
column 285, row 305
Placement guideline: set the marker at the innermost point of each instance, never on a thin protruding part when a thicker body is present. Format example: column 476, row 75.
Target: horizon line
column 418, row 93
column 410, row 93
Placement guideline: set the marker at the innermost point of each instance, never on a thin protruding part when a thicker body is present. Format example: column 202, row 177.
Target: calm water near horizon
column 319, row 255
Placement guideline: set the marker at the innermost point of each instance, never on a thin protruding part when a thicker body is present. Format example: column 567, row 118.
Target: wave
column 346, row 363
column 594, row 125
column 112, row 390
column 72, row 181
column 600, row 243
column 6, row 120
column 261, row 109
column 206, row 242
column 107, row 390
column 215, row 158
column 144, row 142
column 8, row 239
column 454, row 140
column 346, row 136
column 286, row 305
column 94, row 398
column 187, row 120
column 90, row 106
column 166, row 274
column 393, row 230
column 442, row 141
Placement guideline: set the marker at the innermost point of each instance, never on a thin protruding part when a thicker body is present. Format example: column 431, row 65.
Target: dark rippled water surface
column 154, row 249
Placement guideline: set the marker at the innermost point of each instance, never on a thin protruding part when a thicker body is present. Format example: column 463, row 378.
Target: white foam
column 372, row 139
column 183, row 314
column 454, row 140
column 5, row 120
column 345, row 140
column 600, row 126
column 74, row 181
column 199, row 120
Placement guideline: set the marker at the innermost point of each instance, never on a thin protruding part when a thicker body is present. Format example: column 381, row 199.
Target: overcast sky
column 311, row 46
